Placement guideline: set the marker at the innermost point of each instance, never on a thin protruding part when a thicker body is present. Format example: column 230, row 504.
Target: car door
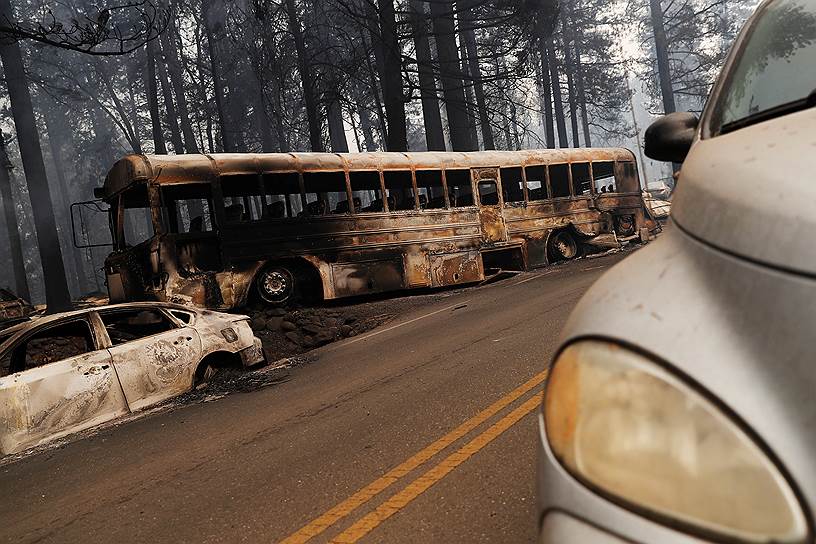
column 154, row 357
column 56, row 380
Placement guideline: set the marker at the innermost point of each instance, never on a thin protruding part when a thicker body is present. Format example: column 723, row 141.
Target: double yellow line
column 402, row 498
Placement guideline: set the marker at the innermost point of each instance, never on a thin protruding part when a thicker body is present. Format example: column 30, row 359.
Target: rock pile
column 304, row 327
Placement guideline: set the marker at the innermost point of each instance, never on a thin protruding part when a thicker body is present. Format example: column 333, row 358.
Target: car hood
column 740, row 331
column 752, row 192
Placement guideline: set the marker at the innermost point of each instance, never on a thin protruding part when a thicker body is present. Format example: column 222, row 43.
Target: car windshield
column 776, row 67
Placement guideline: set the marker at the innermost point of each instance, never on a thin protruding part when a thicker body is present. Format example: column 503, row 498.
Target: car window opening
column 48, row 346
column 129, row 325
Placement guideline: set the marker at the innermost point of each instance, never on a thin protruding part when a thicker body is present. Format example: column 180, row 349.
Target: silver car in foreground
column 70, row 371
column 681, row 406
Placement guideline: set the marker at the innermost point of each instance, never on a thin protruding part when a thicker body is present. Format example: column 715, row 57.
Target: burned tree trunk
column 62, row 196
column 582, row 95
column 153, row 102
column 546, row 95
column 212, row 26
column 432, row 118
column 662, row 53
column 468, row 35
column 558, row 104
column 579, row 73
column 170, row 107
column 56, row 285
column 12, row 225
column 304, row 68
column 375, row 87
column 135, row 123
column 337, row 130
column 171, row 54
column 571, row 92
column 236, row 107
column 453, row 89
column 268, row 142
column 469, row 101
column 391, row 77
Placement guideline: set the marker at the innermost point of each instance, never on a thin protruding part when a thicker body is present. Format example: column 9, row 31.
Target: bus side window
column 488, row 192
column 188, row 207
column 559, row 180
column 366, row 191
column 243, row 198
column 536, row 182
column 604, row 175
column 400, row 190
column 581, row 181
column 325, row 193
column 431, row 190
column 512, row 185
column 459, row 188
column 281, row 196
column 627, row 178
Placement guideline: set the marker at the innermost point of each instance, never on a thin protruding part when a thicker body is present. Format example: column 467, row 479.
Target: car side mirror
column 669, row 138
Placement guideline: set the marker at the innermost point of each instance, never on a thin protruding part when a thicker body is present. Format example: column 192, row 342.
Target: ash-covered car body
column 70, row 371
column 680, row 406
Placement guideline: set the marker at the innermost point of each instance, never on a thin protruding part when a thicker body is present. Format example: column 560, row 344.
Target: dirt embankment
column 290, row 331
column 287, row 332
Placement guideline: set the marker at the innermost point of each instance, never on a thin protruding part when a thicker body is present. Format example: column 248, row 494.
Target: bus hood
column 752, row 192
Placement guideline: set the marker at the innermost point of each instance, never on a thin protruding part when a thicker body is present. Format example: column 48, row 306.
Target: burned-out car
column 70, row 371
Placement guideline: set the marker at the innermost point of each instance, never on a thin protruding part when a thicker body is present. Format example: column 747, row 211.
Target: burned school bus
column 220, row 230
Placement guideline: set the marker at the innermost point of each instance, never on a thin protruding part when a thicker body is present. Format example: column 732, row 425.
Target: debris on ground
column 286, row 332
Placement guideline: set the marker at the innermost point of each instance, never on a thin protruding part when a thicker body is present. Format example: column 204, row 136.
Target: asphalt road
column 422, row 430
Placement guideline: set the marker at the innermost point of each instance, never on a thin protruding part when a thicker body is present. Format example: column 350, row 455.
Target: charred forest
column 84, row 84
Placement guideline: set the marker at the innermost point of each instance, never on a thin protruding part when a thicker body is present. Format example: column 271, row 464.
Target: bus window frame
column 265, row 195
column 546, row 182
column 614, row 177
column 591, row 181
column 169, row 215
column 478, row 194
column 473, row 188
column 386, row 207
column 443, row 178
column 571, row 194
column 381, row 189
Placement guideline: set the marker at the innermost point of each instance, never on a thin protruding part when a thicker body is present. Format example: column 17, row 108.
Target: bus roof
column 179, row 169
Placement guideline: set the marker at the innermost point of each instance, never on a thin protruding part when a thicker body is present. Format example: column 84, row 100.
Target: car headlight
column 626, row 426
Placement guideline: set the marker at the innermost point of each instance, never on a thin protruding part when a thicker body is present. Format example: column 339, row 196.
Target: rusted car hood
column 752, row 192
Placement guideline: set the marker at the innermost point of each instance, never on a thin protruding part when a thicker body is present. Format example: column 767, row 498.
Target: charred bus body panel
column 216, row 230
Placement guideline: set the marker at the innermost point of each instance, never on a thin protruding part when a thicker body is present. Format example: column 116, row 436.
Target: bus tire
column 276, row 285
column 563, row 246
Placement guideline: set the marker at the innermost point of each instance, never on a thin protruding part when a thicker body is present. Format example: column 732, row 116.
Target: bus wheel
column 563, row 246
column 275, row 285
